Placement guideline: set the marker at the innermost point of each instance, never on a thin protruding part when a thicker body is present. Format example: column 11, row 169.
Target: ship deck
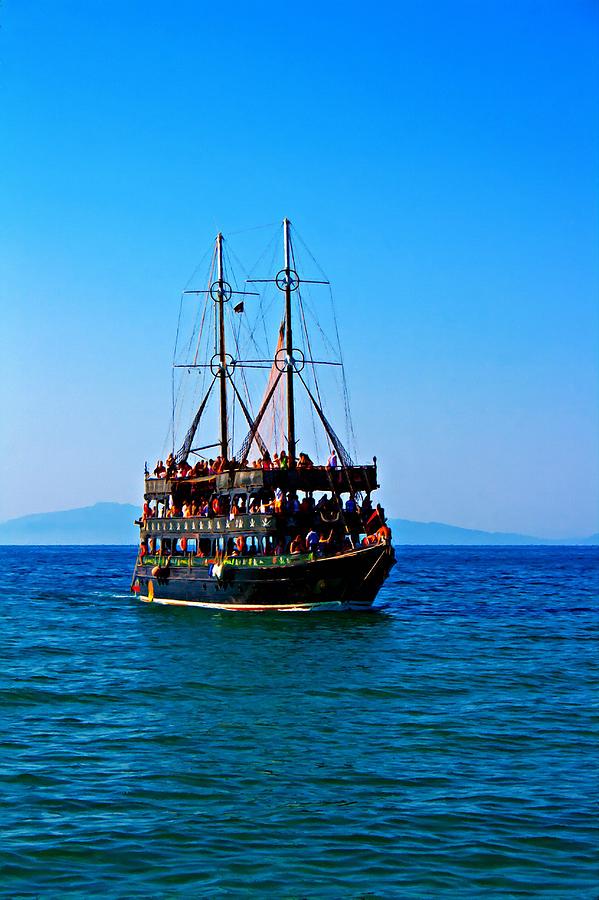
column 347, row 580
column 352, row 479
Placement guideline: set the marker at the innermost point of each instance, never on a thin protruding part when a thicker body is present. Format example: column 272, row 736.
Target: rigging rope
column 344, row 456
column 183, row 453
column 346, row 397
column 245, row 448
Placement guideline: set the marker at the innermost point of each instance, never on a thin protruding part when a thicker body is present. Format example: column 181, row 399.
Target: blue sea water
column 442, row 746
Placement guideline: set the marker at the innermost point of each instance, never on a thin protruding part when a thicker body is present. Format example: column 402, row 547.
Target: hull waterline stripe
column 243, row 607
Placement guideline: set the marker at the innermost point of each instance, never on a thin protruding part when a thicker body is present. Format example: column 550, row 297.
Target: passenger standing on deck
column 332, row 460
column 312, row 539
column 297, row 545
column 324, row 544
column 304, row 461
column 323, row 503
column 171, row 466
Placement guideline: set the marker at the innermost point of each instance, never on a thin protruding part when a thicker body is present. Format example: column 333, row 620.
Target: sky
column 439, row 159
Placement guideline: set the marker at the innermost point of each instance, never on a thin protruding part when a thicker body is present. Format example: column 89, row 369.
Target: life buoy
column 329, row 515
column 162, row 573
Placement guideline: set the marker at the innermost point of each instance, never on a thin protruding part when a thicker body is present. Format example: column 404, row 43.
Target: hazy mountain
column 103, row 523
column 112, row 523
column 407, row 532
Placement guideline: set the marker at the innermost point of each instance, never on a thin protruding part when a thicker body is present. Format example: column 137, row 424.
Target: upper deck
column 353, row 479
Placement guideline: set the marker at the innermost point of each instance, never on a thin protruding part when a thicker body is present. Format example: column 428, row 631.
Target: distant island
column 103, row 523
column 113, row 523
column 421, row 533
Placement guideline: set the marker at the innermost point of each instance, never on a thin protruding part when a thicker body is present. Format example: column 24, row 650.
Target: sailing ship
column 283, row 533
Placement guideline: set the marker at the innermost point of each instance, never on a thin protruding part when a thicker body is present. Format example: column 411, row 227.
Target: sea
column 443, row 745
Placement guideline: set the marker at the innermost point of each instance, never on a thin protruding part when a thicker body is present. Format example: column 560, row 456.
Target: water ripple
column 442, row 746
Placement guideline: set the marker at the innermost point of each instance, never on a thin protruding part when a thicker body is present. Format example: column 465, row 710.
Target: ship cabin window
column 192, row 545
column 261, row 502
column 205, row 547
column 166, row 545
column 239, row 504
column 219, row 505
column 254, row 503
column 158, row 544
column 252, row 545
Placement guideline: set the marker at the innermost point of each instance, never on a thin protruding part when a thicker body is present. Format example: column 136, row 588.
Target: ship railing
column 318, row 478
column 199, row 525
column 161, row 486
column 250, row 523
column 354, row 479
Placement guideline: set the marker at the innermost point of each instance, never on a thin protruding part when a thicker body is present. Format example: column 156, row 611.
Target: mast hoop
column 294, row 361
column 217, row 368
column 221, row 290
column 287, row 278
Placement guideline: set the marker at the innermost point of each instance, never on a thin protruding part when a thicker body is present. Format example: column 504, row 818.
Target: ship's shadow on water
column 441, row 745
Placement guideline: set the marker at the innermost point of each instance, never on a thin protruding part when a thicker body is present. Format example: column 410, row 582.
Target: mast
column 289, row 348
column 224, row 436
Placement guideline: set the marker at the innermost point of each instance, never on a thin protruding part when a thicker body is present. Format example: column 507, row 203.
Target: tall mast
column 289, row 348
column 224, row 436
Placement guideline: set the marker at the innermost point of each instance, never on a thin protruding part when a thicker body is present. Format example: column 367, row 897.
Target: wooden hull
column 348, row 581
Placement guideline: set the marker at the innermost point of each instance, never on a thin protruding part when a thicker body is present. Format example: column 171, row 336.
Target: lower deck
column 345, row 581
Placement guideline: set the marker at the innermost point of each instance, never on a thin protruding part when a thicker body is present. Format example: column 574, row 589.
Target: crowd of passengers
column 277, row 502
column 203, row 468
column 316, row 542
column 301, row 518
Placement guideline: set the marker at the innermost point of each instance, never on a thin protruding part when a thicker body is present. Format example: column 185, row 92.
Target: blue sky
column 439, row 159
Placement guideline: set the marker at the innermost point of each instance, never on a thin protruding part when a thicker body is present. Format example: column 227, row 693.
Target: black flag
column 239, row 307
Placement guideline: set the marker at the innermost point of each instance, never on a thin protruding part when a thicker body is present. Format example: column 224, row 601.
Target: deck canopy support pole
column 289, row 348
column 224, row 431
